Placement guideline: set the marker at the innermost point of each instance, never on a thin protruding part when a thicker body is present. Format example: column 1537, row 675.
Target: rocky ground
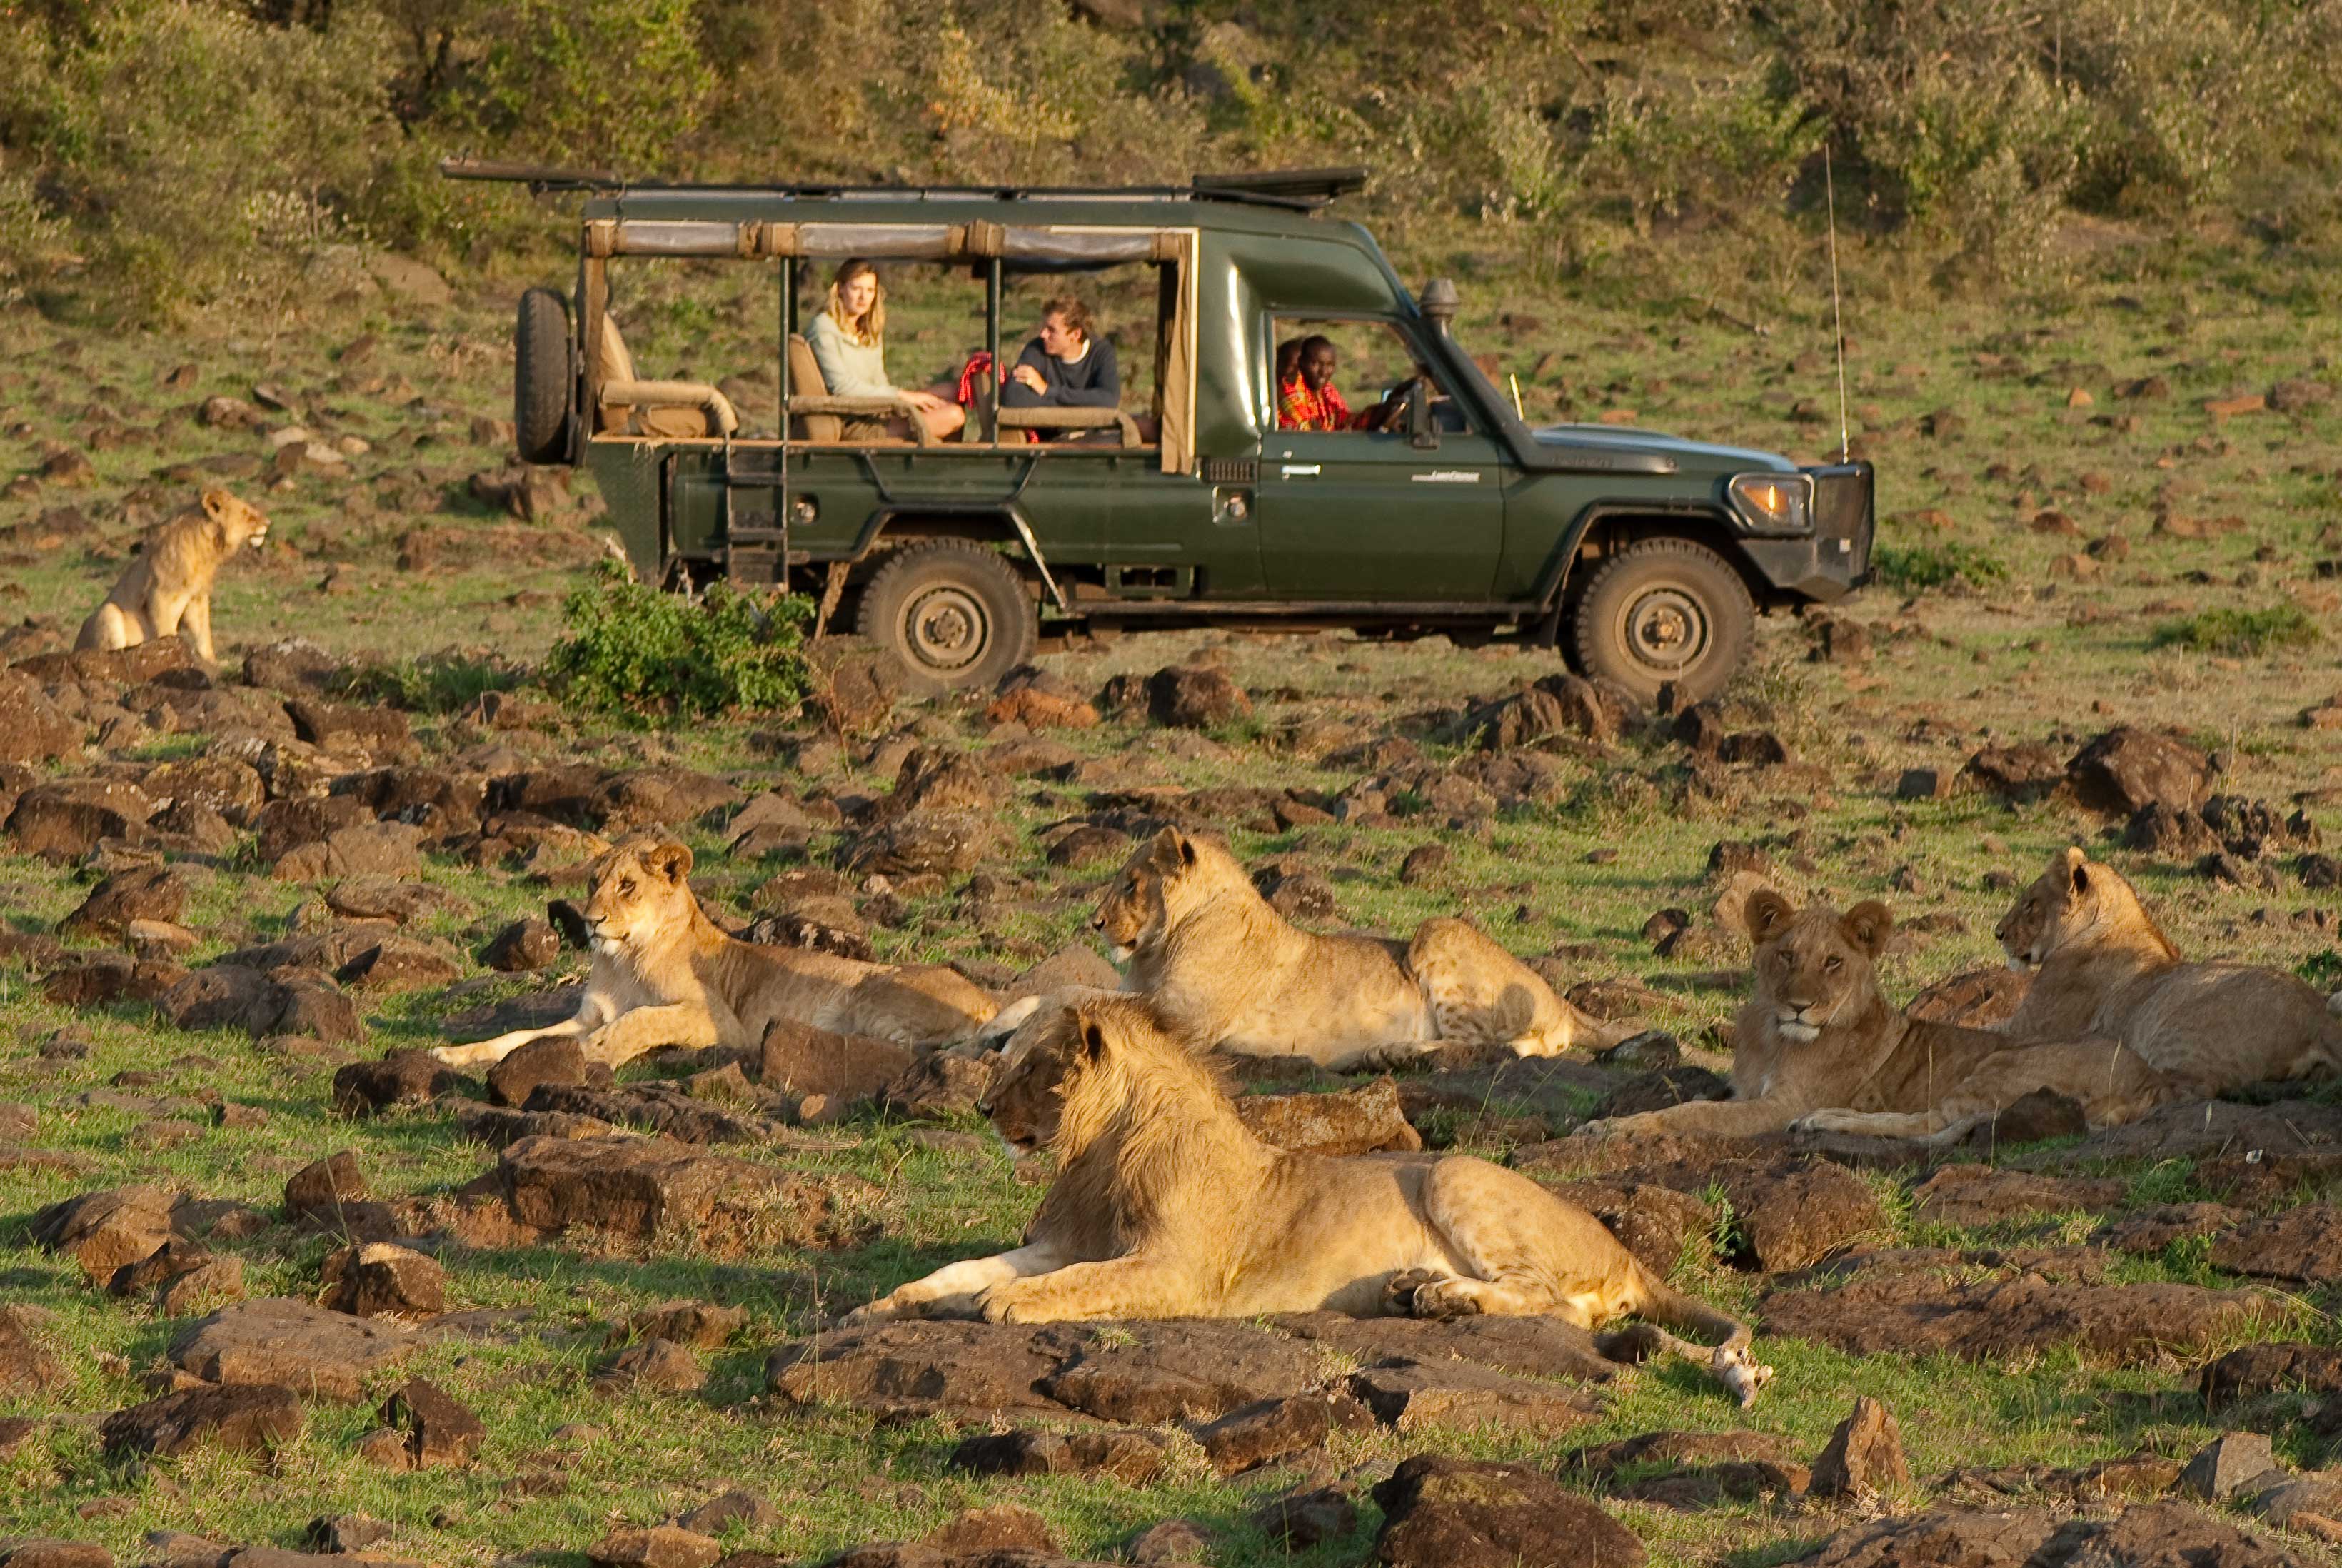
column 277, row 1283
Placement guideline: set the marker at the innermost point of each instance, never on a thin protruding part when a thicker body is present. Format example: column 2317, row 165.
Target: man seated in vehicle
column 1066, row 365
column 1310, row 400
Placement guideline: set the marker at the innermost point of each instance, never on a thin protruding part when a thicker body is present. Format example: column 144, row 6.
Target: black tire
column 953, row 614
column 1662, row 611
column 542, row 378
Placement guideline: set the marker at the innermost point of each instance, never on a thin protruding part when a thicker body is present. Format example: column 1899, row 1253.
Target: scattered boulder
column 801, row 1059
column 1040, row 701
column 2252, row 1369
column 1195, row 697
column 141, row 893
column 1130, row 1455
column 660, row 1365
column 24, row 1365
column 559, row 1060
column 1409, row 1395
column 1309, row 1517
column 2231, row 1464
column 382, row 1279
column 237, row 1419
column 2303, row 1243
column 644, row 1189
column 1441, row 1512
column 440, row 1432
column 660, row 1546
column 700, row 1325
column 289, row 1343
column 526, row 944
column 1864, row 1456
column 103, row 1231
column 399, row 1078
column 1972, row 1196
column 1351, row 1121
column 2124, row 770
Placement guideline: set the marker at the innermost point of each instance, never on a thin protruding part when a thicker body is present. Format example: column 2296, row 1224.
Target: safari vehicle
column 1640, row 556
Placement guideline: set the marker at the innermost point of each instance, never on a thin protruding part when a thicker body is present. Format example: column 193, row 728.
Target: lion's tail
column 1729, row 1359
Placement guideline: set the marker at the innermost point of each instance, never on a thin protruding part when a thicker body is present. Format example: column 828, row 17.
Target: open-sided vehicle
column 1640, row 556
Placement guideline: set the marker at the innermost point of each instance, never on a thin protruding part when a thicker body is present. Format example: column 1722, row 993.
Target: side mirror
column 1420, row 430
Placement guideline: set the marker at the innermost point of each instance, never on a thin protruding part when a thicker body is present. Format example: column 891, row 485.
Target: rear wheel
column 1664, row 610
column 953, row 614
column 541, row 378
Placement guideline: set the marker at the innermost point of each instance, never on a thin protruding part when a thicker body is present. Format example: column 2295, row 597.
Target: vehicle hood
column 1652, row 442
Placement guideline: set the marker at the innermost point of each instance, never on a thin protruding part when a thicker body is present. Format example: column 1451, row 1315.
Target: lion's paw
column 1430, row 1294
column 882, row 1310
column 1002, row 1303
column 1820, row 1122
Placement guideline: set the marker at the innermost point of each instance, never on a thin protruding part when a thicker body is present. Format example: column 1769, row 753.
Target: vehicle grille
column 1843, row 509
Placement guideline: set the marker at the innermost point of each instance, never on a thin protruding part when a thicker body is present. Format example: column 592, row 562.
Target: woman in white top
column 848, row 340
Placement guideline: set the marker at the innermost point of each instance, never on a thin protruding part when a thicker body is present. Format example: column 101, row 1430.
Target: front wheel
column 953, row 614
column 1662, row 612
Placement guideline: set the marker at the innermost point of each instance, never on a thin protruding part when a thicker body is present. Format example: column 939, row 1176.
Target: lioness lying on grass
column 1227, row 972
column 1165, row 1205
column 1817, row 1048
column 2106, row 969
column 663, row 974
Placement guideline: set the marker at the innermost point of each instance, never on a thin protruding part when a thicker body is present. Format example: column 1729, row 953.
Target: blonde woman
column 849, row 339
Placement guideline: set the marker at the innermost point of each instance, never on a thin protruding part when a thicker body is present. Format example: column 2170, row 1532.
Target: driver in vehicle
column 1310, row 400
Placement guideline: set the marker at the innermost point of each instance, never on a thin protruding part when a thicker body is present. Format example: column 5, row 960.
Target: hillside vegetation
column 1657, row 149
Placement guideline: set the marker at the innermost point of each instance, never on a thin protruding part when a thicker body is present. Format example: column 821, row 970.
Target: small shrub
column 650, row 656
column 441, row 682
column 1937, row 565
column 2322, row 970
column 2240, row 633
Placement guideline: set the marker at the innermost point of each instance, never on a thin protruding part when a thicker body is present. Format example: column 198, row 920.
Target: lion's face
column 1137, row 906
column 640, row 888
column 1027, row 1096
column 239, row 523
column 1814, row 965
column 2062, row 903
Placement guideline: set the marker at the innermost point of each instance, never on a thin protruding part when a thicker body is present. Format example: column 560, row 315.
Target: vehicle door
column 1351, row 514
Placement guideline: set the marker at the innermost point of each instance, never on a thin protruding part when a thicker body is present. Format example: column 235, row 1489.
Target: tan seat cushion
column 677, row 410
column 805, row 380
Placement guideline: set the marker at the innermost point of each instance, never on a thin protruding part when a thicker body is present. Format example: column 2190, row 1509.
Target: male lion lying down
column 663, row 974
column 1165, row 1205
column 1226, row 971
column 2107, row 970
column 1817, row 1049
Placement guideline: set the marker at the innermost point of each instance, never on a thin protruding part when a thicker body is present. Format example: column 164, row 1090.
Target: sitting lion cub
column 2106, row 969
column 1817, row 1049
column 1167, row 1205
column 1226, row 971
column 663, row 974
column 168, row 588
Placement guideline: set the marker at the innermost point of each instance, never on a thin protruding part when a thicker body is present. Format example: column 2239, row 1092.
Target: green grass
column 1914, row 567
column 2243, row 633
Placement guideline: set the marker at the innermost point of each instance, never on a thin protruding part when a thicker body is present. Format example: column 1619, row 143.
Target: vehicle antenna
column 1516, row 379
column 1838, row 318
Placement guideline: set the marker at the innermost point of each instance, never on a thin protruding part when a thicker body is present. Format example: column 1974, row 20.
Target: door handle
column 1301, row 470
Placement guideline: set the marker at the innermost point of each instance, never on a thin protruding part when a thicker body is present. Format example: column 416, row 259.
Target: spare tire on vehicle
column 543, row 376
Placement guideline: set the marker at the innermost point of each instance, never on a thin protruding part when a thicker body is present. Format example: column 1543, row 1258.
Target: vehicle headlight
column 1774, row 503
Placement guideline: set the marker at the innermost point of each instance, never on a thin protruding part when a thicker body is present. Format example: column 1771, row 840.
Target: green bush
column 2240, row 633
column 655, row 657
column 444, row 683
column 1914, row 567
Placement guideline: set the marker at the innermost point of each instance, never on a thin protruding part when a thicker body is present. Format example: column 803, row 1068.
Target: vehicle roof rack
column 1296, row 189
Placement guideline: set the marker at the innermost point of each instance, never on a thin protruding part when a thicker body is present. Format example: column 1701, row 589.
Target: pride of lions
column 1165, row 1205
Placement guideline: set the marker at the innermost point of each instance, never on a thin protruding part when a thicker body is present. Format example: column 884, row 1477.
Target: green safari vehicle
column 1641, row 557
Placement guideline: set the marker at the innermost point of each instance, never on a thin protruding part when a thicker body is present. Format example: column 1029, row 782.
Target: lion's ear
column 1172, row 852
column 1868, row 925
column 1092, row 1045
column 217, row 504
column 670, row 858
column 2074, row 865
column 1764, row 912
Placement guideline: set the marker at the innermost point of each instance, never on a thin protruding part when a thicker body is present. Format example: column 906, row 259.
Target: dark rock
column 660, row 1365
column 1410, row 1395
column 440, row 1432
column 2156, row 1226
column 2123, row 770
column 2028, row 771
column 660, row 1546
column 324, row 1188
column 1707, row 1468
column 646, row 1189
column 239, row 1420
column 23, row 1364
column 63, row 821
column 346, row 1533
column 699, row 1326
column 1972, row 1196
column 2227, row 1466
column 938, row 842
column 377, row 732
column 1172, row 1540
column 1440, row 1513
column 1952, row 1538
column 2303, row 1245
column 1538, row 1348
column 1656, row 1091
column 399, row 1078
column 1300, row 1520
column 142, row 893
column 2253, row 1370
column 1179, row 1371
column 1791, row 1214
column 1864, row 1456
column 42, row 1552
column 941, row 1086
column 729, row 1508
column 1131, row 1456
column 276, row 1340
column 525, row 945
column 381, row 1279
column 1195, row 697
column 801, row 1059
column 2039, row 1114
column 919, row 1368
column 560, row 1060
column 1756, row 748
column 103, row 1231
column 1352, row 1121
column 1265, row 1431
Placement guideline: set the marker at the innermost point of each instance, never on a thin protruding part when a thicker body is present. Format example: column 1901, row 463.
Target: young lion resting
column 663, row 974
column 1165, row 1205
column 169, row 587
column 1817, row 1049
column 1226, row 971
column 2106, row 969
